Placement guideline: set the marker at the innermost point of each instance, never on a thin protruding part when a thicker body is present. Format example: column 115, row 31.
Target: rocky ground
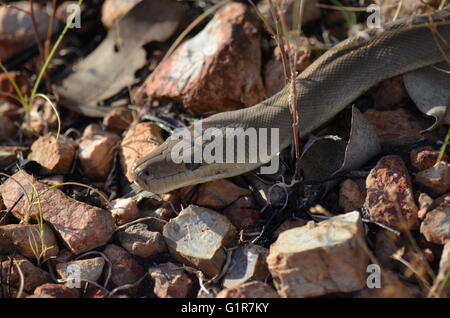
column 68, row 206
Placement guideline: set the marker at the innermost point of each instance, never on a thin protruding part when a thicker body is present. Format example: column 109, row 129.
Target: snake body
column 324, row 89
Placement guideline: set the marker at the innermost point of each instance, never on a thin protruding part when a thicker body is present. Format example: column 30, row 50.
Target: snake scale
column 324, row 89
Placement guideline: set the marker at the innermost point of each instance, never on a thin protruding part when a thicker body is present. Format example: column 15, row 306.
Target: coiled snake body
column 325, row 88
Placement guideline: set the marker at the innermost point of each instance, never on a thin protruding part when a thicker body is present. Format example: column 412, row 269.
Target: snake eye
column 193, row 166
column 147, row 174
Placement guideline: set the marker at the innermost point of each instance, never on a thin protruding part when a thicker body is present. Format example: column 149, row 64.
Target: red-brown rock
column 29, row 240
column 219, row 194
column 56, row 291
column 255, row 289
column 436, row 225
column 389, row 194
column 242, row 212
column 217, row 70
column 33, row 275
column 96, row 154
column 170, row 281
column 389, row 93
column 55, row 156
column 437, row 178
column 124, row 210
column 395, row 127
column 118, row 119
column 423, row 158
column 350, row 196
column 125, row 269
column 140, row 140
column 82, row 227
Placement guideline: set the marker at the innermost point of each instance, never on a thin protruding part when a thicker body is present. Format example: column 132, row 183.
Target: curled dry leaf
column 112, row 65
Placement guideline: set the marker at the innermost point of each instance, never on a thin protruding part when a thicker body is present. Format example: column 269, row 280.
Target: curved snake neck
column 324, row 89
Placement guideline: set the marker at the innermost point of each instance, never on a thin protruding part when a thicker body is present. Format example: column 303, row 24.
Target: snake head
column 181, row 161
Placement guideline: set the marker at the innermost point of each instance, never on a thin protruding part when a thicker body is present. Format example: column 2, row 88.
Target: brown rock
column 242, row 213
column 29, row 240
column 124, row 210
column 140, row 140
column 89, row 269
column 424, row 158
column 197, row 237
column 437, row 178
column 313, row 261
column 56, row 291
column 96, row 154
column 138, row 240
column 287, row 225
column 113, row 10
column 118, row 119
column 274, row 72
column 33, row 275
column 55, row 156
column 217, row 70
column 436, row 225
column 389, row 194
column 249, row 290
column 125, row 269
column 311, row 11
column 395, row 127
column 219, row 194
column 82, row 227
column 247, row 263
column 350, row 196
column 95, row 292
column 390, row 93
column 170, row 281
